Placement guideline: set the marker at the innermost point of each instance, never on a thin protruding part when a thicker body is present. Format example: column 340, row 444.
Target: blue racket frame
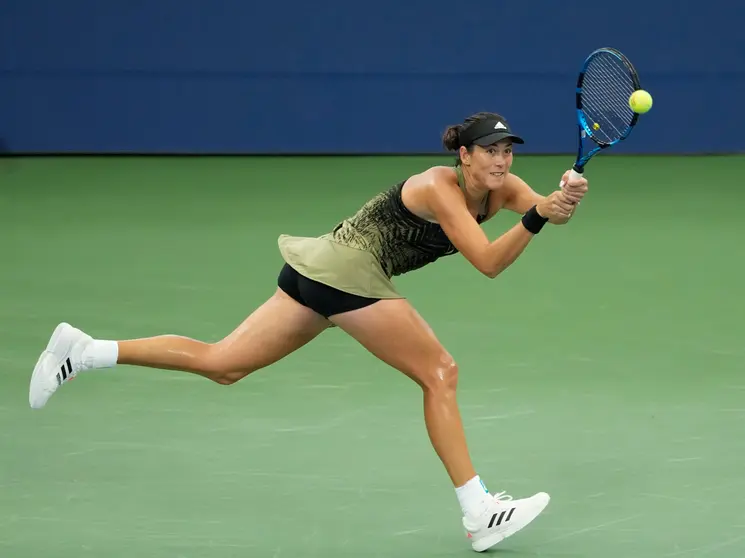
column 585, row 130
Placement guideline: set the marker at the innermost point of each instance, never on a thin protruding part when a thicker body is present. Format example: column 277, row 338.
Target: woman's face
column 489, row 165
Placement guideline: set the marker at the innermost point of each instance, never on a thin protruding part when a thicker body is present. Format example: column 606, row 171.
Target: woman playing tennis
column 343, row 279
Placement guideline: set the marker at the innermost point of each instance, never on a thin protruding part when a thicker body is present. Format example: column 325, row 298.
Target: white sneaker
column 503, row 518
column 59, row 363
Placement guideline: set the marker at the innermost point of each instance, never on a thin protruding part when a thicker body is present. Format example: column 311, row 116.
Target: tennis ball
column 640, row 101
column 596, row 126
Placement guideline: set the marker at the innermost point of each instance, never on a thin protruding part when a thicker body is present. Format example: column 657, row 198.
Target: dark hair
column 451, row 137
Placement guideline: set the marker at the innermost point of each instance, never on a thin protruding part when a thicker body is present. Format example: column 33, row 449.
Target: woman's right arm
column 447, row 204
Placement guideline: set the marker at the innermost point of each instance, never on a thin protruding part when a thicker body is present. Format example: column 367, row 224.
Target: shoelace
column 502, row 497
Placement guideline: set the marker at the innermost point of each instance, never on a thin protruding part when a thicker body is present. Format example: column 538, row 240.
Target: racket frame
column 584, row 129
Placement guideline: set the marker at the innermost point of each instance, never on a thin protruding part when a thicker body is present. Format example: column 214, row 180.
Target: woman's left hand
column 573, row 190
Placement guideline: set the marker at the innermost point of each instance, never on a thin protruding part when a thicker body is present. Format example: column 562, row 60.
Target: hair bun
column 451, row 137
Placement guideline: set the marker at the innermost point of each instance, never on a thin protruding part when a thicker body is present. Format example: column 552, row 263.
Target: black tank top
column 401, row 240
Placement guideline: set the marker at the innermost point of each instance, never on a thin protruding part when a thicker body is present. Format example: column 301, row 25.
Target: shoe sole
column 56, row 342
column 489, row 541
column 495, row 538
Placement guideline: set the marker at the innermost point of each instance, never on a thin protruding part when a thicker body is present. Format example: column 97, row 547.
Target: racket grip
column 573, row 175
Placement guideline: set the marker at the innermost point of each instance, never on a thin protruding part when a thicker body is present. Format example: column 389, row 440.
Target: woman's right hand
column 557, row 207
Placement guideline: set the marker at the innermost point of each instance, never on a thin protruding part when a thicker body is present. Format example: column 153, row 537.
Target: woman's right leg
column 394, row 332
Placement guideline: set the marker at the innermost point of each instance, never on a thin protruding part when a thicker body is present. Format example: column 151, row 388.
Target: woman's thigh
column 393, row 331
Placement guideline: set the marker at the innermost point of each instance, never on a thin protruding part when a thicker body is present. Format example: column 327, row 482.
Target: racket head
column 605, row 83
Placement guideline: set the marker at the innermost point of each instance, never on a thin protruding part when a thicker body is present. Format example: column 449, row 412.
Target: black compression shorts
column 325, row 300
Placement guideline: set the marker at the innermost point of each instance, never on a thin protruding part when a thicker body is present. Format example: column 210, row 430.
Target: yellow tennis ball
column 640, row 101
column 596, row 126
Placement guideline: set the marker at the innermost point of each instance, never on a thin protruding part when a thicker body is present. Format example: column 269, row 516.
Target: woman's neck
column 475, row 193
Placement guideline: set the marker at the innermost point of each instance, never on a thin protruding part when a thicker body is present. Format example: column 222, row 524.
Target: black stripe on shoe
column 69, row 365
column 64, row 372
column 497, row 518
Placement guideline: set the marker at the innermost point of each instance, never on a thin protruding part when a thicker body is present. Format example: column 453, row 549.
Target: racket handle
column 573, row 175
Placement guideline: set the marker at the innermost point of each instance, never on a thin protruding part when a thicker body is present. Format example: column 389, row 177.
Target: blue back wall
column 225, row 76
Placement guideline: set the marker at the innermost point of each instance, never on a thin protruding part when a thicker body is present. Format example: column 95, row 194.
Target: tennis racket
column 605, row 83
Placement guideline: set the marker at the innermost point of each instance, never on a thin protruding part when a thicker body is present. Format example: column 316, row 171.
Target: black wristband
column 533, row 221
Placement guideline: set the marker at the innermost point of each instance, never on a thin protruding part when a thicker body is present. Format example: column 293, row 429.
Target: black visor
column 488, row 132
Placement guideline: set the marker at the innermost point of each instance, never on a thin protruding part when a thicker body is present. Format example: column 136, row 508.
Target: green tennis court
column 605, row 367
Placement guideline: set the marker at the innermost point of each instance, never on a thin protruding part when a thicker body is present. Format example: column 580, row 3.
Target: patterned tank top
column 400, row 240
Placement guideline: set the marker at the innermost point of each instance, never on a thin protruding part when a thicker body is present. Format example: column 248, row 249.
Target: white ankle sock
column 473, row 497
column 100, row 354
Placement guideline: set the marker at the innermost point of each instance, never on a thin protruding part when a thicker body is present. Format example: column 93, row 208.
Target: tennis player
column 343, row 279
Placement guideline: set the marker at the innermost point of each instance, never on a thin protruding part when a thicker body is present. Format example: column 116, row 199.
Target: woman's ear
column 465, row 156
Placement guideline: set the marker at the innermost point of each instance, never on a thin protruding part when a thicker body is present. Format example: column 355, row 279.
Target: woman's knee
column 440, row 376
column 217, row 365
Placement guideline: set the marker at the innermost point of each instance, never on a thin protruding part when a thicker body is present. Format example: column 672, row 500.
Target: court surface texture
column 605, row 367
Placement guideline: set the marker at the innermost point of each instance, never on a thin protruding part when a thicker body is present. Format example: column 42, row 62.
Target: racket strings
column 606, row 89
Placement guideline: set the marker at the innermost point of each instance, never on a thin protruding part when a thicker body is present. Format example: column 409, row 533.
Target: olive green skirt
column 345, row 268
